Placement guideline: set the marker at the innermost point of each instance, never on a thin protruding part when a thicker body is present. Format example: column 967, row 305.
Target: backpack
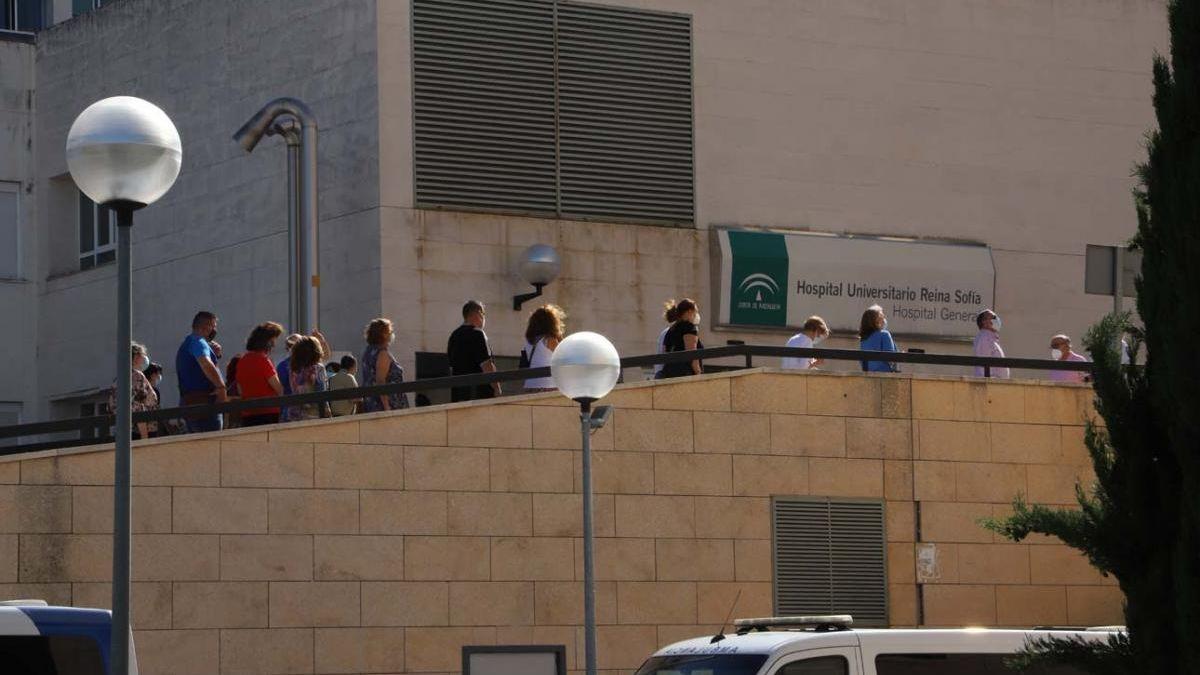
column 527, row 359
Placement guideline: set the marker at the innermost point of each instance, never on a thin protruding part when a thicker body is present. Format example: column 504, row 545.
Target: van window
column 50, row 655
column 822, row 665
column 703, row 664
column 958, row 664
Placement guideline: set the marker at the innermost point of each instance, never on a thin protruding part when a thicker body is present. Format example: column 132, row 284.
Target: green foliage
column 1112, row 657
column 1140, row 521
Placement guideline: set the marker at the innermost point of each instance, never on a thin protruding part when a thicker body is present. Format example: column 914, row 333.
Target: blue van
column 36, row 639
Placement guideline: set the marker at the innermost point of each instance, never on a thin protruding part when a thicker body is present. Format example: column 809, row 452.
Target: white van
column 38, row 639
column 827, row 645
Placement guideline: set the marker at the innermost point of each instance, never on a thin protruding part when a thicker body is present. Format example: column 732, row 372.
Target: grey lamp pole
column 585, row 366
column 589, row 571
column 123, row 153
column 123, row 459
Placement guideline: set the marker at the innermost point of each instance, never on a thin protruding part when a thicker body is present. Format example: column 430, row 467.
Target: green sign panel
column 758, row 280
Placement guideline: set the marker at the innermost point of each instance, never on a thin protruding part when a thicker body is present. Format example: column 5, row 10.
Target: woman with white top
column 544, row 331
column 811, row 334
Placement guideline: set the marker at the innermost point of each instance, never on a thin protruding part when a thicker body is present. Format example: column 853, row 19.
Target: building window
column 10, row 415
column 10, row 239
column 25, row 16
column 555, row 108
column 94, row 408
column 84, row 6
column 829, row 557
column 97, row 234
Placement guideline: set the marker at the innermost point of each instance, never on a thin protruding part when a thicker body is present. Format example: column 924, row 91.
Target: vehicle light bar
column 817, row 622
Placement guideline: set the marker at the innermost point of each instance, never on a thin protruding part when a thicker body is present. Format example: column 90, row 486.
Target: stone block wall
column 384, row 543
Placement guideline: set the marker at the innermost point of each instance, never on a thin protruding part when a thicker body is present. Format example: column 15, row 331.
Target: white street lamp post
column 123, row 153
column 585, row 367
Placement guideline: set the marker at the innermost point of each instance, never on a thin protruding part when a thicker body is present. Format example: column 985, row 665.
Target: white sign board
column 770, row 278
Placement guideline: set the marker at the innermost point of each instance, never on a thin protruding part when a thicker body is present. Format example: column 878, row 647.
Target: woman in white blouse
column 544, row 331
column 810, row 335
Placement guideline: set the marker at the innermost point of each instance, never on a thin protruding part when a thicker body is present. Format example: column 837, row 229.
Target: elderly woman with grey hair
column 142, row 394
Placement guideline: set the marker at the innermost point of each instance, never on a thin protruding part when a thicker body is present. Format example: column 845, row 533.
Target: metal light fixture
column 123, row 153
column 539, row 266
column 585, row 367
column 294, row 121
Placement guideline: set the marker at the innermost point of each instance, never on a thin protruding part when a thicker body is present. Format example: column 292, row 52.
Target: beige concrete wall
column 384, row 543
column 1011, row 124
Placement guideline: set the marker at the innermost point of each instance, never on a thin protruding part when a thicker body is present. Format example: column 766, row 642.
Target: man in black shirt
column 468, row 352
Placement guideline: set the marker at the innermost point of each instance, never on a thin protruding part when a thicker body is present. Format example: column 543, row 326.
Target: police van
column 827, row 645
column 37, row 639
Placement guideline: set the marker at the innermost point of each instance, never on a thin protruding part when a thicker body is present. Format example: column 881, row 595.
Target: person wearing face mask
column 154, row 374
column 682, row 336
column 468, row 352
column 811, row 334
column 143, row 397
column 873, row 336
column 1060, row 350
column 987, row 342
column 199, row 379
column 378, row 366
column 256, row 375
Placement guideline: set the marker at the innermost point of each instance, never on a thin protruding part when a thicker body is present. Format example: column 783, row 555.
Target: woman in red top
column 256, row 377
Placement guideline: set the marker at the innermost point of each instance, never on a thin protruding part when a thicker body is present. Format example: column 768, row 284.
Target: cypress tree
column 1140, row 522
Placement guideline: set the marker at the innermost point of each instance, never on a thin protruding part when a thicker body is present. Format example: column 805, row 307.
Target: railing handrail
column 456, row 381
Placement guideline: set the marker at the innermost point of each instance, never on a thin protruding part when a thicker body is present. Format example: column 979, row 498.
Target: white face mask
column 1055, row 355
column 818, row 340
column 697, row 319
column 141, row 362
column 996, row 323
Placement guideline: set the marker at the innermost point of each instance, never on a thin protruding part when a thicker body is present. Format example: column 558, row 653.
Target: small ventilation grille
column 830, row 559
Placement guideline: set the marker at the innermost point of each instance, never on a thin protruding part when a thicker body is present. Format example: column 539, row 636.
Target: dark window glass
column 106, row 257
column 103, row 228
column 29, row 15
column 703, row 664
column 50, row 655
column 87, row 233
column 822, row 665
column 958, row 664
column 81, row 7
column 6, row 14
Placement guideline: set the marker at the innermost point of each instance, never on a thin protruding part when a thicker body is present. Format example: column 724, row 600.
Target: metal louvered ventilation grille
column 829, row 558
column 625, row 113
column 483, row 104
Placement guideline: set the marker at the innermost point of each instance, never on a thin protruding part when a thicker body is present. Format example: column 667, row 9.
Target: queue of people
column 307, row 366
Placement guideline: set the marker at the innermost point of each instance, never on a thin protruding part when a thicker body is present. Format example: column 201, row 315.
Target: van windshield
column 703, row 664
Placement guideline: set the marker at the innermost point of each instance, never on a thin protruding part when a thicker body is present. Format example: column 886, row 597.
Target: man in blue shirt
column 200, row 380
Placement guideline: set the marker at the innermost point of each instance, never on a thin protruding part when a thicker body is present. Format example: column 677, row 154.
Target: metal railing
column 100, row 424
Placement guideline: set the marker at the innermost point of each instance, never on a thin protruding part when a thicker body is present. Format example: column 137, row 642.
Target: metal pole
column 248, row 137
column 295, row 291
column 309, row 267
column 589, row 576
column 122, row 459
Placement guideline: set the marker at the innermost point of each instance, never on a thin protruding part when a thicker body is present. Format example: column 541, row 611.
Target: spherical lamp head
column 585, row 366
column 124, row 150
column 539, row 264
